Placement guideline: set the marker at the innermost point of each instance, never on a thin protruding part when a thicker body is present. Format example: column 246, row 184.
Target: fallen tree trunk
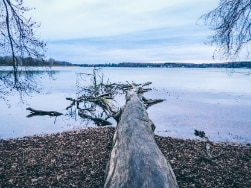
column 136, row 160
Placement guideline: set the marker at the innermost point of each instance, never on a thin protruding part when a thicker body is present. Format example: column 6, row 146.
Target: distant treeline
column 7, row 61
column 28, row 61
column 241, row 64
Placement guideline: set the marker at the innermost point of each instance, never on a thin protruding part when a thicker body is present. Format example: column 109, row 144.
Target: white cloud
column 116, row 30
column 160, row 45
column 88, row 18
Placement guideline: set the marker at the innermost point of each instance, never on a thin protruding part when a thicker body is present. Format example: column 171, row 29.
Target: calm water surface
column 217, row 101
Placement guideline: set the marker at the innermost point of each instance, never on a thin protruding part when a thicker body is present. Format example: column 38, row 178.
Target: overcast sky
column 113, row 31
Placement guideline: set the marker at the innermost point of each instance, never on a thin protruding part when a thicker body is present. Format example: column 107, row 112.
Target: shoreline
column 79, row 158
column 79, row 130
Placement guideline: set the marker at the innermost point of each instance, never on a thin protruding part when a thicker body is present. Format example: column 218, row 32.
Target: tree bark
column 136, row 160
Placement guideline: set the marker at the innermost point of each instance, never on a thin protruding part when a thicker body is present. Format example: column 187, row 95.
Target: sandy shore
column 78, row 159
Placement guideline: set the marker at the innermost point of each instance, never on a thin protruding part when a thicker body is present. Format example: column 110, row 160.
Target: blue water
column 217, row 101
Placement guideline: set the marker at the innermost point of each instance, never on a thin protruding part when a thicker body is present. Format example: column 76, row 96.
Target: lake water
column 217, row 101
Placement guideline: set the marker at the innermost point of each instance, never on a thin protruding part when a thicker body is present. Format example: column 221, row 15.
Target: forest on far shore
column 28, row 61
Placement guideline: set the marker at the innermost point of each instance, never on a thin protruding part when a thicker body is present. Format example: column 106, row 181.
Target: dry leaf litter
column 78, row 159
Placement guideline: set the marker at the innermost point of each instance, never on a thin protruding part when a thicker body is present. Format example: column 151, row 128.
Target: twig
column 203, row 136
column 150, row 102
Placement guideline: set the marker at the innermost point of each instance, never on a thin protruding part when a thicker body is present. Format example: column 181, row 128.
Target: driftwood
column 34, row 112
column 209, row 158
column 136, row 160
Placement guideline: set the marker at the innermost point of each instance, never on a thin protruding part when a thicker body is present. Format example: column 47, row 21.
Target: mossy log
column 136, row 160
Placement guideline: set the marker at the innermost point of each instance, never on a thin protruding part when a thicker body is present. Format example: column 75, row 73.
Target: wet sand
column 78, row 159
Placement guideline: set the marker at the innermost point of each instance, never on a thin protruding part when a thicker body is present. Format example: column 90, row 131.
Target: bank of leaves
column 78, row 159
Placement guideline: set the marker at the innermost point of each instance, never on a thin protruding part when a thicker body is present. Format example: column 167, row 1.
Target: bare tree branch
column 97, row 99
column 97, row 102
column 231, row 23
column 18, row 40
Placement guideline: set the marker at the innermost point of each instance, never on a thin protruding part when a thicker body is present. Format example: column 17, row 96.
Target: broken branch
column 34, row 112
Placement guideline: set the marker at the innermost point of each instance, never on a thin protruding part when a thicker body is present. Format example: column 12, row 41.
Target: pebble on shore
column 78, row 159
